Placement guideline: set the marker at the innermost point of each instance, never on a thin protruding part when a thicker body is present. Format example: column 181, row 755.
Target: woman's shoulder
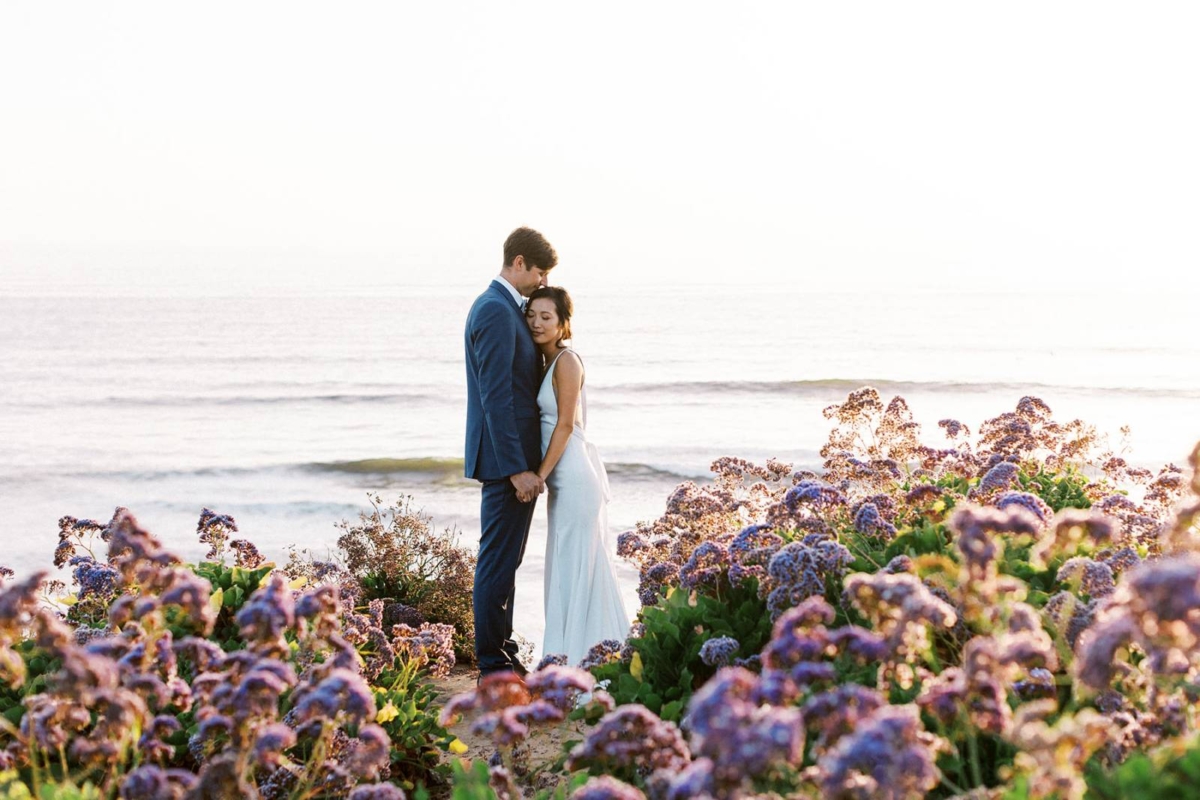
column 568, row 362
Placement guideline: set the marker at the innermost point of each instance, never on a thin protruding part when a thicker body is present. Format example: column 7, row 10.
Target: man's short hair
column 531, row 244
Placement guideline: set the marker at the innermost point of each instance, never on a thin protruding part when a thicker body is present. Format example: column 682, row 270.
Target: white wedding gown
column 583, row 600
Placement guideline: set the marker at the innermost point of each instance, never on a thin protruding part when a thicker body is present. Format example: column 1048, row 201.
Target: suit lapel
column 499, row 287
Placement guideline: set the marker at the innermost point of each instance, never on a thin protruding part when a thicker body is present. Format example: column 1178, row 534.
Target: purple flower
column 838, row 712
column 998, row 479
column 631, row 740
column 704, row 568
column 270, row 743
column 815, row 493
column 560, row 685
column 269, row 612
column 740, row 737
column 213, row 529
column 370, row 752
column 601, row 653
column 551, row 659
column 377, row 791
column 719, row 651
column 868, row 522
column 341, row 693
column 888, row 756
column 155, row 783
column 606, row 788
column 1030, row 502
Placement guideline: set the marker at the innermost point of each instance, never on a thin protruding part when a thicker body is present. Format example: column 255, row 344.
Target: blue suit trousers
column 506, row 522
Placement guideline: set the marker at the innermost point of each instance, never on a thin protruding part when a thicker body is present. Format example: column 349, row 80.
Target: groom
column 504, row 438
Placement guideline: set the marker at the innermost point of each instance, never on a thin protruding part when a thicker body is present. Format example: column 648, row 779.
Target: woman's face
column 543, row 321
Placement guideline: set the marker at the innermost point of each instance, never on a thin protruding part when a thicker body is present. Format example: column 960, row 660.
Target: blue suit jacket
column 503, row 372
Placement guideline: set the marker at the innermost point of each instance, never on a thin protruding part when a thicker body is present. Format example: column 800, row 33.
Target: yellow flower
column 635, row 666
column 457, row 747
column 386, row 714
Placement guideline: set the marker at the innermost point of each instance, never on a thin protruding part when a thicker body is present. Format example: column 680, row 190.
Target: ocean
column 287, row 411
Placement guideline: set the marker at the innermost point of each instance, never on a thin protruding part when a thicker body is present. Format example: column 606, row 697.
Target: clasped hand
column 528, row 485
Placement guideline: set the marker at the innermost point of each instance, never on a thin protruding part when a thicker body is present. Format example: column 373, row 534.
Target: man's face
column 527, row 278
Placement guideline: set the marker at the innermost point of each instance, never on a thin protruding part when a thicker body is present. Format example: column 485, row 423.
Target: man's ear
column 518, row 263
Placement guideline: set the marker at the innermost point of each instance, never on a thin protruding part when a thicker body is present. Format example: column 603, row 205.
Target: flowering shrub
column 1006, row 614
column 395, row 555
column 165, row 679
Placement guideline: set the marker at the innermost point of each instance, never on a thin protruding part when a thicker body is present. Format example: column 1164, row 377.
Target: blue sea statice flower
column 1155, row 607
column 923, row 494
column 653, row 579
column 631, row 544
column 694, row 782
column 377, row 791
column 800, row 570
column 341, row 694
column 604, row 787
column 868, row 522
column 718, row 652
column 246, row 554
column 155, row 783
column 998, row 479
column 1093, row 578
column 270, row 742
column 213, row 529
column 704, row 568
column 369, row 754
column 901, row 610
column 431, row 646
column 260, row 688
column 94, row 578
column 889, row 756
column 815, row 494
column 1120, row 560
column 1038, row 683
column 191, row 594
column 601, row 653
column 269, row 612
column 551, row 659
column 751, row 551
column 320, row 608
column 837, row 712
column 560, row 685
column 1030, row 502
column 631, row 740
column 953, row 428
column 742, row 738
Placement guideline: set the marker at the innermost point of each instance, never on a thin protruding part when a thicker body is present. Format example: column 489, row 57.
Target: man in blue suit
column 504, row 438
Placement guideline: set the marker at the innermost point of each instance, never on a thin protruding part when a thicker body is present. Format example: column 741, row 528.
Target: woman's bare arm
column 568, row 382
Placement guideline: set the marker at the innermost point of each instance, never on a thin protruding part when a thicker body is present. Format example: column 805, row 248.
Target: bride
column 583, row 601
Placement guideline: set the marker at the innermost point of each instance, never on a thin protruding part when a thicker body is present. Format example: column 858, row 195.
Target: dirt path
column 545, row 743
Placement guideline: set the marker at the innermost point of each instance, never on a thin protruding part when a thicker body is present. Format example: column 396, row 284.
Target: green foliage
column 471, row 782
column 38, row 667
column 1173, row 771
column 405, row 701
column 1065, row 488
column 12, row 787
column 666, row 668
column 231, row 588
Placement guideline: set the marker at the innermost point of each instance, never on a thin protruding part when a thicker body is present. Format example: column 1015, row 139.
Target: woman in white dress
column 583, row 600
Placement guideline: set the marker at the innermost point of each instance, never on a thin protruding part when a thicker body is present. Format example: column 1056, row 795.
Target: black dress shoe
column 520, row 668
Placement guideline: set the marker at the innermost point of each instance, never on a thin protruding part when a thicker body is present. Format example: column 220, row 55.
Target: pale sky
column 1016, row 144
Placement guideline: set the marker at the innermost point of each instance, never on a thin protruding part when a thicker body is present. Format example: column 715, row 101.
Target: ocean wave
column 251, row 400
column 388, row 466
column 842, row 386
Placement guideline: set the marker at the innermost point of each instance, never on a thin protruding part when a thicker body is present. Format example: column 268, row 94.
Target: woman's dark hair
column 562, row 306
